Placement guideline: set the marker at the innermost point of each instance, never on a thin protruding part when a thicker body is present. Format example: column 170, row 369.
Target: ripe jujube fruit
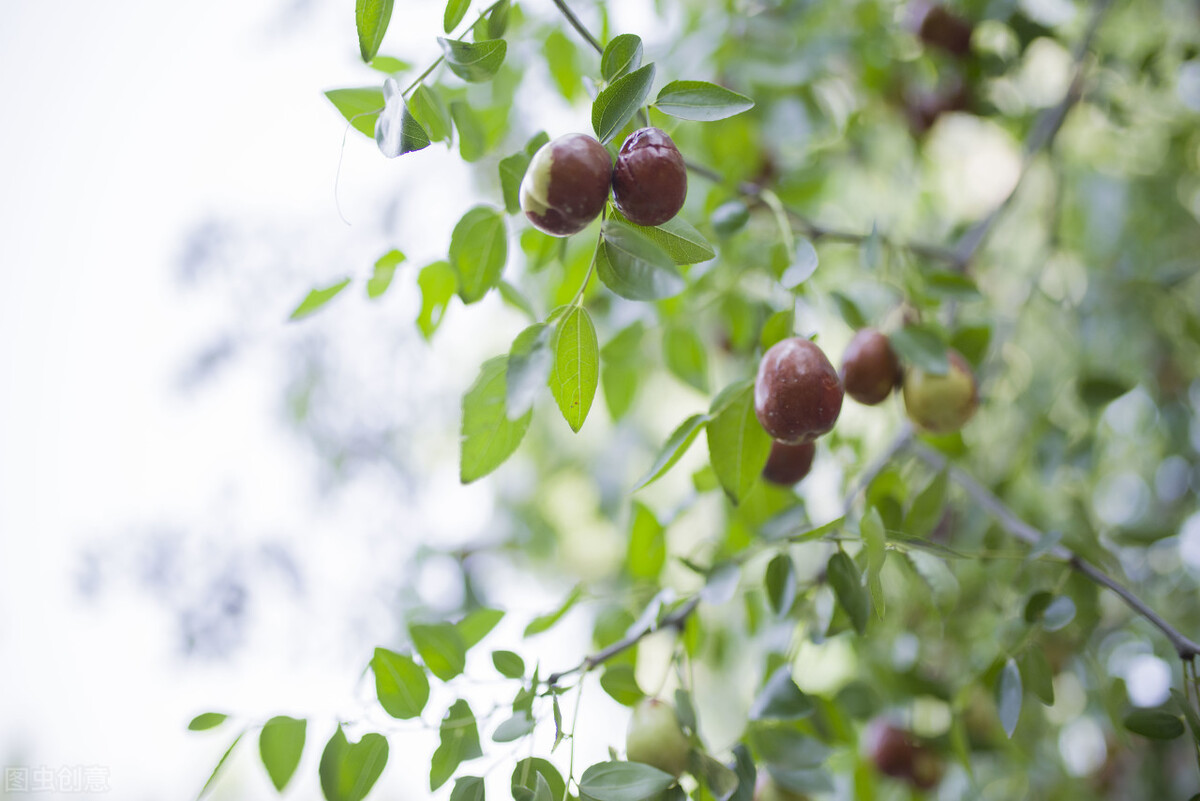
column 650, row 178
column 797, row 393
column 787, row 463
column 896, row 753
column 939, row 27
column 566, row 184
column 870, row 368
column 941, row 404
column 655, row 738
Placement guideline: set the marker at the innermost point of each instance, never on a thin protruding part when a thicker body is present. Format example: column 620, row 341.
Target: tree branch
column 579, row 26
column 902, row 440
column 1015, row 526
column 1048, row 124
column 674, row 620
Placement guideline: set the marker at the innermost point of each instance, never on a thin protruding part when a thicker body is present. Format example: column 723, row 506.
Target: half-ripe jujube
column 566, row 184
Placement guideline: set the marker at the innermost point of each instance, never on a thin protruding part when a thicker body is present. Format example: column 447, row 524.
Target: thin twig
column 1045, row 129
column 1015, row 526
column 903, row 439
column 579, row 26
column 674, row 620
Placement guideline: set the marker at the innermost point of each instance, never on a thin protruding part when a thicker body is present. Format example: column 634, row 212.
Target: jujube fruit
column 941, row 404
column 566, row 184
column 939, row 27
column 787, row 463
column 655, row 738
column 896, row 753
column 797, row 393
column 650, row 179
column 870, row 368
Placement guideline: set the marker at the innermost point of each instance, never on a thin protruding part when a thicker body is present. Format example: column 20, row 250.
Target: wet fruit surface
column 797, row 393
column 566, row 184
column 870, row 368
column 650, row 178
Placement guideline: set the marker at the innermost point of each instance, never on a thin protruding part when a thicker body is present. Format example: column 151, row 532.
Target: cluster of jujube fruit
column 798, row 395
column 568, row 181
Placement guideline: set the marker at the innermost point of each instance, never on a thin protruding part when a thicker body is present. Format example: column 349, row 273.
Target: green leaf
column 389, row 65
column 468, row 788
column 280, row 745
column 675, row 447
column 921, row 347
column 778, row 327
column 544, row 622
column 926, row 508
column 687, row 358
column 720, row 779
column 634, row 266
column 455, row 11
column 620, row 101
column 1058, row 613
column 396, row 130
column 476, row 625
column 562, row 57
column 459, row 742
column 400, row 684
column 620, row 683
column 682, row 243
column 516, row 299
column 622, row 781
column 508, row 664
column 1101, row 390
column 472, row 139
column 1156, row 724
column 216, row 771
column 1189, row 713
column 952, row 285
column 441, row 648
column 874, row 537
column 530, row 362
column 780, row 581
column 576, row 365
column 787, row 749
column 939, row 578
column 207, row 720
column 1037, row 675
column 371, row 17
column 846, row 582
column 849, row 310
column 621, row 56
column 1009, row 695
column 512, row 172
column 514, row 728
column 804, row 262
column 729, row 218
column 738, row 446
column 431, row 113
column 349, row 770
column 647, row 544
column 474, row 63
column 497, row 20
column 385, row 270
column 317, row 298
column 488, row 436
column 700, row 101
column 781, row 699
column 360, row 106
column 478, row 251
column 437, row 283
column 529, row 770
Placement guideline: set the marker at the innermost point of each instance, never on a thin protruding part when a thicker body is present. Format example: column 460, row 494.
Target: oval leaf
column 635, row 267
column 682, row 243
column 1154, row 723
column 530, row 362
column 396, row 130
column 441, row 648
column 455, row 11
column 400, row 684
column 360, row 106
column 617, row 104
column 508, row 664
column 846, row 582
column 738, row 446
column 576, row 366
column 372, row 18
column 921, row 347
column 675, row 447
column 781, row 583
column 1009, row 695
column 474, row 62
column 478, row 251
column 317, row 298
column 700, row 101
column 207, row 720
column 349, row 770
column 280, row 746
column 622, row 56
column 488, row 436
column 622, row 781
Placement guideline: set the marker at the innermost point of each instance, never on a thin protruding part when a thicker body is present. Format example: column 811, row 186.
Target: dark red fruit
column 896, row 753
column 566, row 185
column 797, row 394
column 870, row 368
column 787, row 464
column 650, row 179
column 938, row 27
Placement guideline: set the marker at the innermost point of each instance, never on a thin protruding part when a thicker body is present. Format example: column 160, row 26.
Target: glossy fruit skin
column 788, row 463
column 650, row 179
column 941, row 404
column 870, row 368
column 797, row 393
column 566, row 184
column 654, row 737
